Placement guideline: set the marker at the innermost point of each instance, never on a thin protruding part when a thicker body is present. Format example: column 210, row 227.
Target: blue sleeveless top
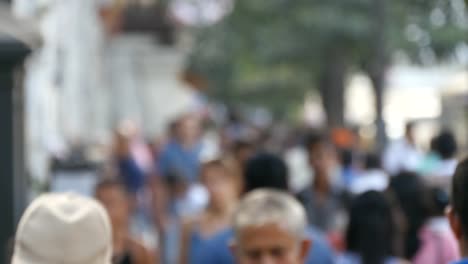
column 352, row 258
column 197, row 243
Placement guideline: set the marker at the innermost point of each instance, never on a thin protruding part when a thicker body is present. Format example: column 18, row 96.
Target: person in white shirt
column 373, row 178
column 402, row 155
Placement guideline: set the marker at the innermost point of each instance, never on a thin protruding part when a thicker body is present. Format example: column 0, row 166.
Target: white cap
column 63, row 228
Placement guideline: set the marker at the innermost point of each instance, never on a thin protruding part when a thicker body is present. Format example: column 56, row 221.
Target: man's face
column 218, row 183
column 188, row 130
column 321, row 158
column 270, row 244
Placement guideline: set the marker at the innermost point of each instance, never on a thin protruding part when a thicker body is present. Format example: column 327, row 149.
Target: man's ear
column 454, row 222
column 306, row 246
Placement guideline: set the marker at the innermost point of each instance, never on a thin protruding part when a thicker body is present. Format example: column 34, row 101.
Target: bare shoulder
column 138, row 250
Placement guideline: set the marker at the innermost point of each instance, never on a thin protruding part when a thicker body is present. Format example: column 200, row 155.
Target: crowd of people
column 210, row 194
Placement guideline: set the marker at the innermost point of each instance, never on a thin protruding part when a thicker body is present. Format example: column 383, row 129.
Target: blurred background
column 112, row 88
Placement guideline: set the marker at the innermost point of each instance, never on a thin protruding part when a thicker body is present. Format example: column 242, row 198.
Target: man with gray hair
column 269, row 228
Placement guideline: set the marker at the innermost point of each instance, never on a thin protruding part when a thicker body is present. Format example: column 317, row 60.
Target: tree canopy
column 271, row 52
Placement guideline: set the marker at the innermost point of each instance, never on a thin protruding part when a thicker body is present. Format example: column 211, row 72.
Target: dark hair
column 174, row 177
column 414, row 199
column 445, row 145
column 266, row 171
column 242, row 144
column 314, row 138
column 439, row 201
column 460, row 195
column 372, row 161
column 371, row 229
column 409, row 126
column 347, row 157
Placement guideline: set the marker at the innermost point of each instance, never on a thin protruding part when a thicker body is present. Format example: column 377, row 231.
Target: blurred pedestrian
column 236, row 160
column 131, row 174
column 264, row 171
column 349, row 171
column 269, row 227
column 63, row 228
column 426, row 239
column 197, row 230
column 458, row 211
column 402, row 155
column 414, row 200
column 323, row 200
column 438, row 245
column 370, row 236
column 445, row 147
column 115, row 199
column 373, row 178
column 182, row 152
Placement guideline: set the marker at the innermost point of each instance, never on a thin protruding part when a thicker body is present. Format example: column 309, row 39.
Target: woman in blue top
column 371, row 232
column 220, row 185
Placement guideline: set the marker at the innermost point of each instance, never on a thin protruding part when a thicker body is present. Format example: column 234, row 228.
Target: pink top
column 438, row 245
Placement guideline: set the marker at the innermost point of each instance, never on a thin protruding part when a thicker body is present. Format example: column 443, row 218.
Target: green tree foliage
column 271, row 52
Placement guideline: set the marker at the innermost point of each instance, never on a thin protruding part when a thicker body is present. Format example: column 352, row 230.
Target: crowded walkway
column 182, row 198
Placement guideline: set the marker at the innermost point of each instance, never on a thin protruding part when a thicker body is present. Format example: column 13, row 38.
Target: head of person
column 458, row 211
column 445, row 145
column 346, row 158
column 219, row 182
column 269, row 228
column 176, row 183
column 243, row 150
column 372, row 161
column 266, row 171
column 414, row 200
column 321, row 153
column 409, row 132
column 371, row 218
column 63, row 228
column 113, row 196
column 186, row 129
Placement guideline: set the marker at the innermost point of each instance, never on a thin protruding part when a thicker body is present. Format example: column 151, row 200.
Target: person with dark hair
column 427, row 240
column 197, row 230
column 348, row 168
column 323, row 200
column 114, row 197
column 266, row 171
column 370, row 236
column 445, row 148
column 413, row 199
column 438, row 245
column 402, row 155
column 373, row 178
column 263, row 171
column 236, row 160
column 131, row 174
column 182, row 152
column 458, row 210
column 243, row 150
column 446, row 145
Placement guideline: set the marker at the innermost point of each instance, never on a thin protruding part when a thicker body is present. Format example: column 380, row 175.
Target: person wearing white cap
column 63, row 228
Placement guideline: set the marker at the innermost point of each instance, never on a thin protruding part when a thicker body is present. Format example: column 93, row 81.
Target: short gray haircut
column 266, row 206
